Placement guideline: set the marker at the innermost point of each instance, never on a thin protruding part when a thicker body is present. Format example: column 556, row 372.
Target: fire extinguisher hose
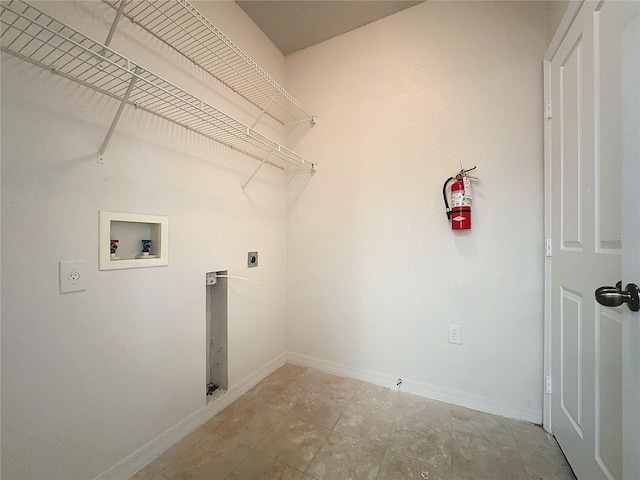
column 444, row 195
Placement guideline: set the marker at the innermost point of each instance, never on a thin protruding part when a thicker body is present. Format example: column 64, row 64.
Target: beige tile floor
column 303, row 424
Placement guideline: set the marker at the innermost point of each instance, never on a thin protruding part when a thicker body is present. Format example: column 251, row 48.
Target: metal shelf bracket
column 123, row 102
column 256, row 171
column 264, row 110
column 313, row 120
column 114, row 25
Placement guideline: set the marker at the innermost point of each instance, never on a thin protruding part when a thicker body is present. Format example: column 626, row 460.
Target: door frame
column 567, row 21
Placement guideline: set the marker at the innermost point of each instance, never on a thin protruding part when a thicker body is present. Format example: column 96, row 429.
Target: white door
column 630, row 85
column 592, row 132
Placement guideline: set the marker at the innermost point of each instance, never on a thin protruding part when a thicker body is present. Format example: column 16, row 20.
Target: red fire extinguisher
column 460, row 211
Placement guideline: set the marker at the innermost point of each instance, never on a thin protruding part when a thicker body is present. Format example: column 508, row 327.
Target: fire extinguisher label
column 467, row 188
column 457, row 198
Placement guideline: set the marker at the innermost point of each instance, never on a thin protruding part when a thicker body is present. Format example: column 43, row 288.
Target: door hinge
column 548, row 113
column 549, row 247
column 547, row 384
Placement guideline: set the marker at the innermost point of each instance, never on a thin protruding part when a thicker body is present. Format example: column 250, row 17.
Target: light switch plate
column 72, row 277
column 252, row 259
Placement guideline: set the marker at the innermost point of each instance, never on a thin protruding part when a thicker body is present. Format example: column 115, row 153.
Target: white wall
column 88, row 378
column 557, row 8
column 374, row 272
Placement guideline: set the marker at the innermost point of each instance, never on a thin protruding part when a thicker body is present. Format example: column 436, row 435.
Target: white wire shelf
column 36, row 37
column 178, row 24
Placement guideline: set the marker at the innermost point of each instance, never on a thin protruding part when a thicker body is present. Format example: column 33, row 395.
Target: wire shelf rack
column 179, row 25
column 34, row 36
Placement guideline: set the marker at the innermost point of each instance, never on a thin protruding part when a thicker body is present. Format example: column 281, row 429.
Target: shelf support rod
column 312, row 121
column 264, row 110
column 264, row 160
column 123, row 102
column 114, row 25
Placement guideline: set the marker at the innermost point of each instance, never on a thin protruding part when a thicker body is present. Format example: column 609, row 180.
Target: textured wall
column 88, row 378
column 374, row 272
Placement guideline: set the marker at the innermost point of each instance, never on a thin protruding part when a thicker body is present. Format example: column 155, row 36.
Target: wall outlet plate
column 252, row 259
column 455, row 334
column 72, row 277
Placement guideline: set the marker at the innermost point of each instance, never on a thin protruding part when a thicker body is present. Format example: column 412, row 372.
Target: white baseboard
column 435, row 392
column 146, row 454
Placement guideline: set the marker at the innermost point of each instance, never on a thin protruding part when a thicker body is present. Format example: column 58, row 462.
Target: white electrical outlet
column 455, row 334
column 72, row 277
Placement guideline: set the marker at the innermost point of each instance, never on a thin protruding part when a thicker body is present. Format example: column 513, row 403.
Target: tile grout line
column 304, row 472
column 524, row 466
column 332, row 430
column 482, row 431
column 255, row 449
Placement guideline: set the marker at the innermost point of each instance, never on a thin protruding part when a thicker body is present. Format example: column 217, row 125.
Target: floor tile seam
column 360, row 439
column 351, row 402
column 338, row 419
column 524, row 466
column 285, row 412
column 515, row 435
column 290, row 413
column 244, row 457
column 335, row 399
column 292, row 383
column 314, row 456
column 522, row 463
column 331, row 430
column 524, row 445
column 487, row 430
column 234, row 442
column 288, row 466
column 267, row 433
column 485, row 438
column 425, row 410
column 233, row 470
column 255, row 451
column 486, row 420
column 411, row 457
column 379, row 462
column 492, row 442
column 276, row 459
column 395, row 414
column 263, row 405
column 237, row 443
column 331, row 394
column 394, row 394
column 360, row 382
column 268, row 455
column 513, row 421
column 477, row 416
column 450, row 469
column 400, row 415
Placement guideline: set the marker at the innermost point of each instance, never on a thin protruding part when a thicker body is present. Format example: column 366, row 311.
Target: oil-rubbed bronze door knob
column 615, row 296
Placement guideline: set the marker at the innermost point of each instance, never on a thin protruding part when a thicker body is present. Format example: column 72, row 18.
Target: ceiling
column 293, row 25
